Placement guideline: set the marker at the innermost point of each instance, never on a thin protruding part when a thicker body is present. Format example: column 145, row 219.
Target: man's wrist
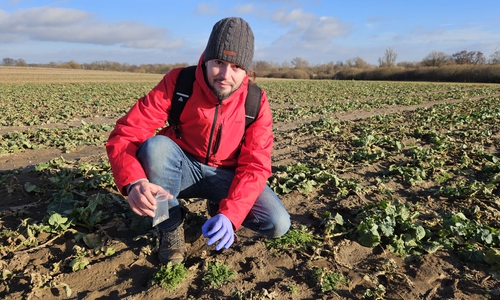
column 130, row 185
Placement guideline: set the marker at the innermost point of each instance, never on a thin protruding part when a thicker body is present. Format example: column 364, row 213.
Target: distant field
column 57, row 75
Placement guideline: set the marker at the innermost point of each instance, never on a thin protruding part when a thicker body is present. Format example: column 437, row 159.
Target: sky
column 167, row 32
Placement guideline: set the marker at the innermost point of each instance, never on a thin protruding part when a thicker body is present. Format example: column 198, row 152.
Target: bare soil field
column 41, row 271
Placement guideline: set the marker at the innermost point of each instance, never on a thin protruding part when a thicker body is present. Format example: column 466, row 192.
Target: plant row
column 38, row 104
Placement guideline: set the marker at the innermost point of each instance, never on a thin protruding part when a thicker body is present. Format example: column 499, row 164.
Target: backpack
column 184, row 89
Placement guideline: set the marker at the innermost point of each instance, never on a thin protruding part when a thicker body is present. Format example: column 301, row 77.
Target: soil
column 261, row 274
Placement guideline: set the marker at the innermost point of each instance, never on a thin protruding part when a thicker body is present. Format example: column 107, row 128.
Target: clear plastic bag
column 161, row 212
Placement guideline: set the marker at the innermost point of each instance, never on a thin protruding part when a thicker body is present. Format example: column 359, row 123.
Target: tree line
column 465, row 65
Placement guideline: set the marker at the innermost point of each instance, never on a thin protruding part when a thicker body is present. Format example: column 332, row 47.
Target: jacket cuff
column 130, row 185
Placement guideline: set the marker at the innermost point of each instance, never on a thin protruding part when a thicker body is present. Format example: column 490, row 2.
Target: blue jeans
column 167, row 165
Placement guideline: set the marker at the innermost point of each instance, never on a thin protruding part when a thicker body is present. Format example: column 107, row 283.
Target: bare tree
column 8, row 61
column 73, row 65
column 436, row 59
column 478, row 58
column 261, row 66
column 21, row 63
column 299, row 63
column 357, row 62
column 389, row 59
column 495, row 58
column 466, row 57
column 285, row 65
column 408, row 64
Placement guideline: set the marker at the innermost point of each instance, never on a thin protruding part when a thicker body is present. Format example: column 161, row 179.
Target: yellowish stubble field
column 58, row 75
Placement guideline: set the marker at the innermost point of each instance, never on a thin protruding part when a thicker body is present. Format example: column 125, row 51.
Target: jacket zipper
column 218, row 139
column 212, row 134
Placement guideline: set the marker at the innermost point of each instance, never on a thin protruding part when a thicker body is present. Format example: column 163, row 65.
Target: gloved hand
column 219, row 227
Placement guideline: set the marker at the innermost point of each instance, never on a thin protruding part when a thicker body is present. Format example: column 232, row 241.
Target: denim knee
column 156, row 147
column 281, row 226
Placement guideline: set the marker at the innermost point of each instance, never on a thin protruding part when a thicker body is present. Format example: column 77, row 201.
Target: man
column 210, row 154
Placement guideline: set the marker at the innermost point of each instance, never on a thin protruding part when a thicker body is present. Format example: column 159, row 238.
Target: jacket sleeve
column 254, row 167
column 140, row 123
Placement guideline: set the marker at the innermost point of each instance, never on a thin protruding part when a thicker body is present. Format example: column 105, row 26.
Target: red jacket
column 251, row 160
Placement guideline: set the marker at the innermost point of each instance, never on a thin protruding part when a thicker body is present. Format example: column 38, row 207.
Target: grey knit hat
column 231, row 40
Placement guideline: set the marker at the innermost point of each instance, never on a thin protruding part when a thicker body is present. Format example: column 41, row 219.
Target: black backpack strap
column 182, row 92
column 252, row 104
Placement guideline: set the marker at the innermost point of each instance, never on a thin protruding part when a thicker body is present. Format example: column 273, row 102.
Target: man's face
column 224, row 77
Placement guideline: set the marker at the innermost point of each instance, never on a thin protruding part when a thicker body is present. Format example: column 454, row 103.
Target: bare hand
column 141, row 198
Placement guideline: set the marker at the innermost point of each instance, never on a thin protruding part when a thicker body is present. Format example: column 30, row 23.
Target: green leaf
column 57, row 219
column 398, row 246
column 67, row 289
column 339, row 219
column 63, row 203
column 399, row 146
column 42, row 166
column 404, row 212
column 6, row 274
column 30, row 187
column 492, row 257
column 390, row 210
column 306, row 187
column 92, row 240
column 30, row 232
column 284, row 189
column 369, row 238
column 432, row 247
column 486, row 235
column 387, row 229
column 78, row 264
column 109, row 251
column 472, row 255
column 419, row 232
column 410, row 241
column 461, row 216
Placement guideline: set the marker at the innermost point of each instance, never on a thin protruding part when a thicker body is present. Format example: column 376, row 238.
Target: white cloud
column 245, row 9
column 310, row 28
column 155, row 44
column 297, row 16
column 13, row 2
column 206, row 9
column 307, row 35
column 47, row 16
column 450, row 40
column 325, row 28
column 75, row 26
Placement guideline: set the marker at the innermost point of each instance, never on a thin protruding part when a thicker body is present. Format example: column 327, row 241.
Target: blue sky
column 161, row 31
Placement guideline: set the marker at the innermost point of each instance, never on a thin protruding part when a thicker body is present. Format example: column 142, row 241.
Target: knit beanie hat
column 231, row 40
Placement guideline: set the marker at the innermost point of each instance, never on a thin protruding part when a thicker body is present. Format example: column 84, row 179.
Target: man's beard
column 221, row 95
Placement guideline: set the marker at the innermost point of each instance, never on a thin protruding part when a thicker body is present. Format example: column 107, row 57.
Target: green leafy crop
column 169, row 276
column 217, row 274
column 300, row 239
column 388, row 223
column 328, row 280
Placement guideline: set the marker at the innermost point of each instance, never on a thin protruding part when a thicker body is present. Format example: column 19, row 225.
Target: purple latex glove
column 219, row 228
